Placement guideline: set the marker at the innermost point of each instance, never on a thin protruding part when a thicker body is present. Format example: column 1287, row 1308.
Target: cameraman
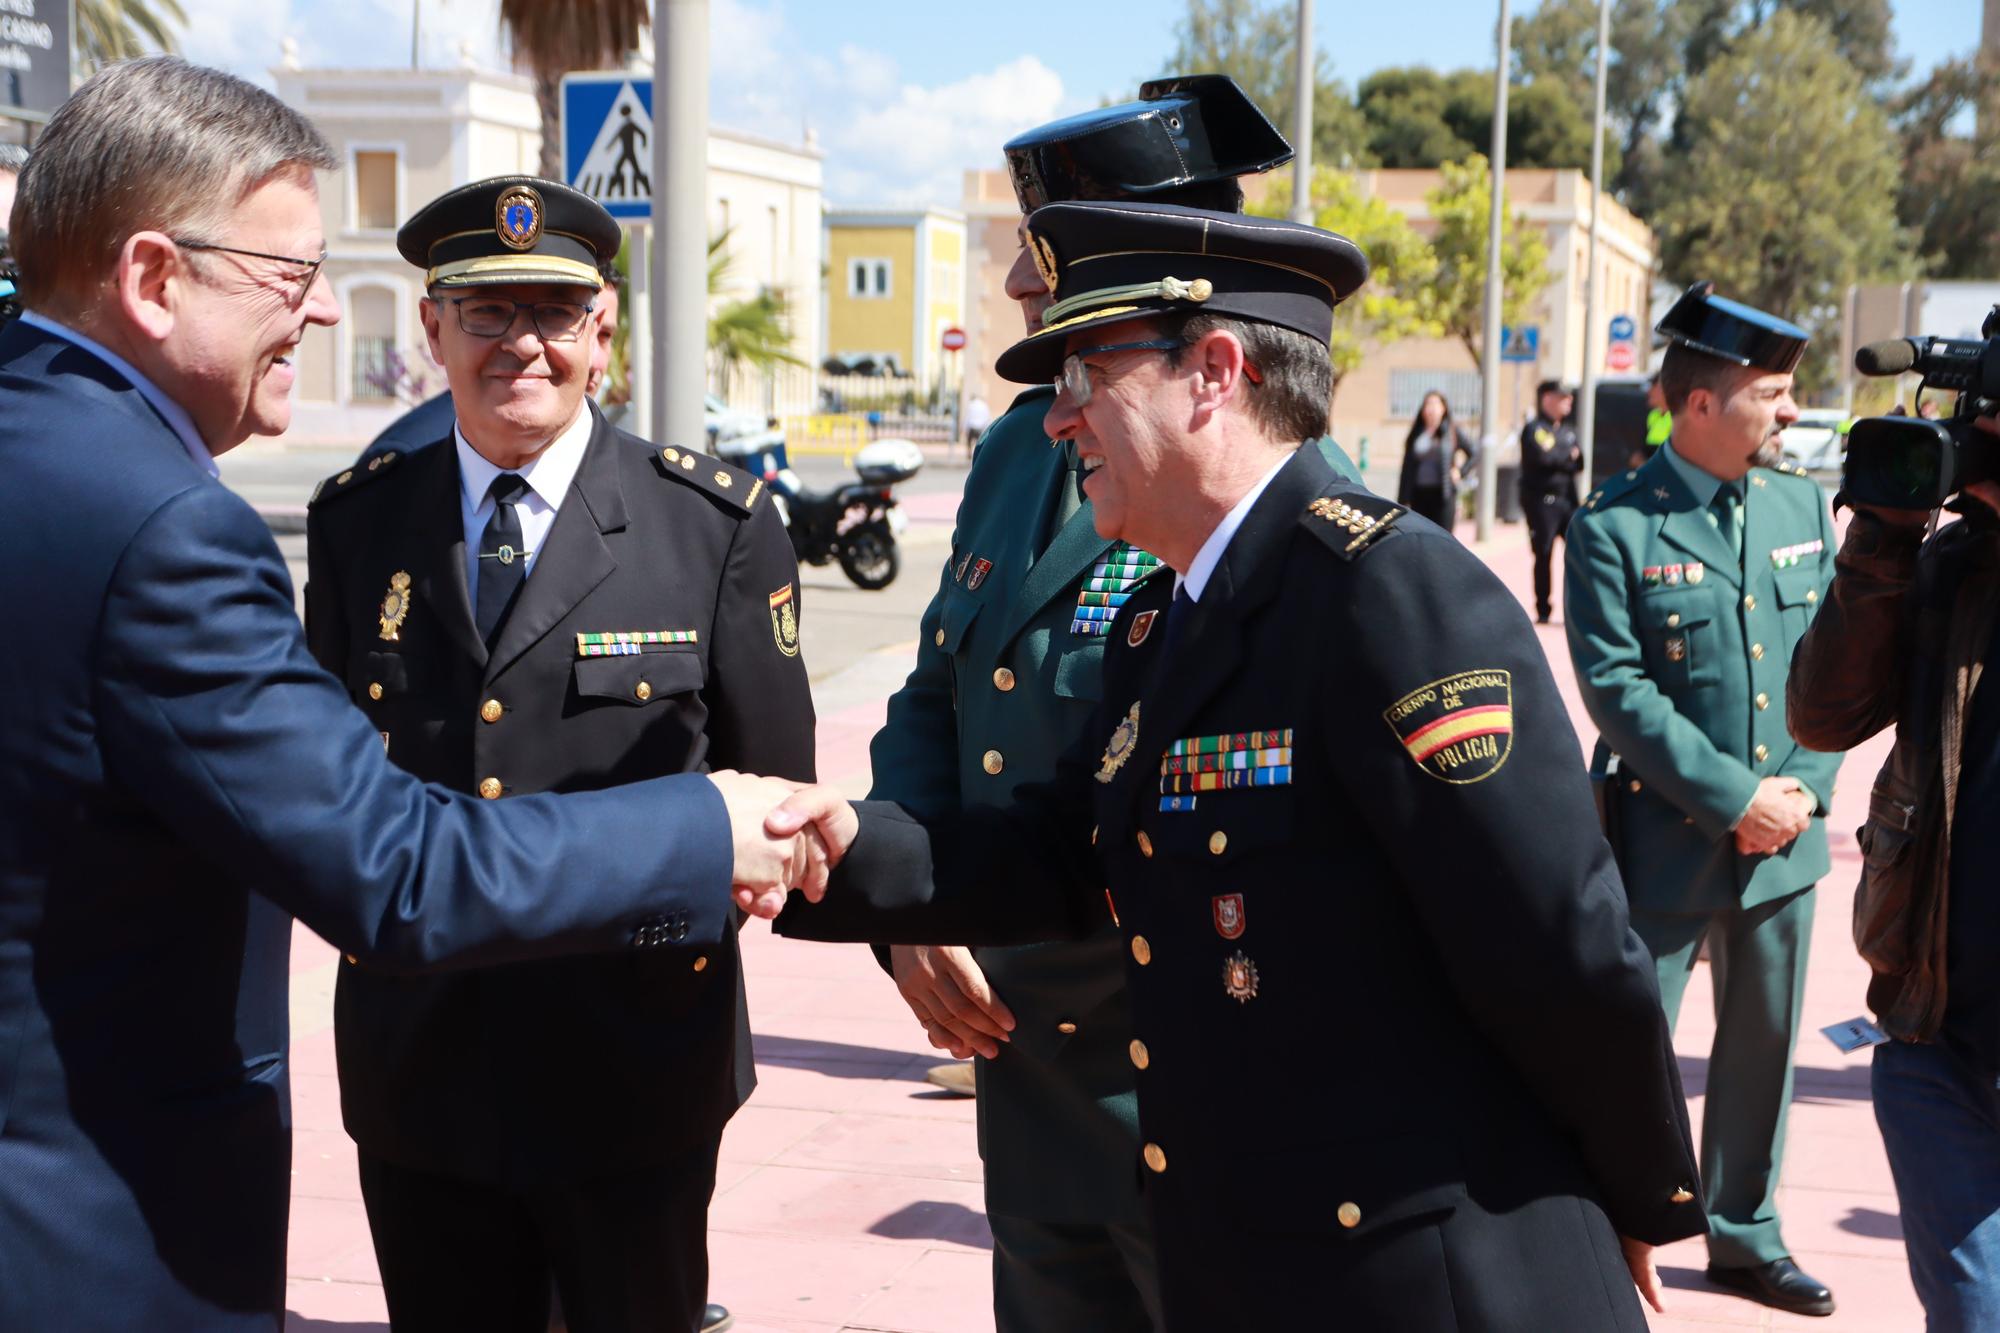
column 1907, row 630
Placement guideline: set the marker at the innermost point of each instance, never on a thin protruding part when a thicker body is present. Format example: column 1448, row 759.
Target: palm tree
column 552, row 39
column 751, row 332
column 108, row 30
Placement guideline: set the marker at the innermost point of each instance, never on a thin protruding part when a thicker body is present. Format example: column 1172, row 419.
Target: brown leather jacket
column 1902, row 639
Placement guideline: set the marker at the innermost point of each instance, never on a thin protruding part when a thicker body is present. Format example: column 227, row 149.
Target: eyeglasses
column 492, row 317
column 1075, row 375
column 305, row 279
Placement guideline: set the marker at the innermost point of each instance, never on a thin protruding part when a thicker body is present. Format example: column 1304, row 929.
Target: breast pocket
column 1798, row 597
column 640, row 679
column 373, row 677
column 1680, row 635
column 960, row 610
column 1079, row 672
column 1228, row 826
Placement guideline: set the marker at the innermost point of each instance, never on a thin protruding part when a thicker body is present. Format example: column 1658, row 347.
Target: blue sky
column 904, row 94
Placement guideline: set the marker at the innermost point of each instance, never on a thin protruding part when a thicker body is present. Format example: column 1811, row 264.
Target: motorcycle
column 855, row 523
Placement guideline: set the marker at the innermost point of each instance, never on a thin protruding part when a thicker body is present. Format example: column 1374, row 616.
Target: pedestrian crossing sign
column 607, row 140
column 1518, row 342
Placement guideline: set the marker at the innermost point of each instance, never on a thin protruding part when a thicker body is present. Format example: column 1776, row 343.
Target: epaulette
column 353, row 479
column 725, row 481
column 1350, row 522
column 1622, row 484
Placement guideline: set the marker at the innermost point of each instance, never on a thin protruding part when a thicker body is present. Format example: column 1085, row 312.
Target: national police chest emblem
column 1459, row 729
column 785, row 622
column 517, row 217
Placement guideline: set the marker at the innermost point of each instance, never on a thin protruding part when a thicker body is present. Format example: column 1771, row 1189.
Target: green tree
column 1397, row 301
column 1255, row 42
column 108, row 30
column 1462, row 207
column 1785, row 191
column 552, row 39
column 1949, row 190
column 753, row 331
column 1419, row 117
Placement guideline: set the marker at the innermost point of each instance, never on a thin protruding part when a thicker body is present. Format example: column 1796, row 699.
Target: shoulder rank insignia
column 1459, row 729
column 785, row 621
column 1351, row 523
column 395, row 606
column 729, row 484
column 1124, row 740
column 349, row 479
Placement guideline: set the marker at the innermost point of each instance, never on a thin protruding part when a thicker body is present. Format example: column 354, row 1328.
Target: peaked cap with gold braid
column 1105, row 262
column 510, row 229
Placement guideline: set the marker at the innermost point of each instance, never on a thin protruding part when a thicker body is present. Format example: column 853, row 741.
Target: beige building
column 895, row 281
column 1377, row 401
column 406, row 136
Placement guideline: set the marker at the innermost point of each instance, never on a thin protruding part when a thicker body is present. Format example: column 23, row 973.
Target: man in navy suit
column 177, row 774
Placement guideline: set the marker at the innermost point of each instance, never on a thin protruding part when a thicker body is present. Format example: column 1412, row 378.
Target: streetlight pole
column 1302, row 120
column 1586, row 421
column 1489, row 361
column 679, row 259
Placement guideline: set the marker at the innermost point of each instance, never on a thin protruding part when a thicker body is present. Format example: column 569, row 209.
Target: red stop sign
column 1620, row 356
column 952, row 339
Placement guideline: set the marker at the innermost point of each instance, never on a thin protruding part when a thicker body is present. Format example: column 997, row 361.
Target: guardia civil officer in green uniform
column 1688, row 581
column 1301, row 802
column 1006, row 676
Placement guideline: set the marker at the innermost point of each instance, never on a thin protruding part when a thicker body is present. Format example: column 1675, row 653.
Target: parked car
column 726, row 423
column 1818, row 440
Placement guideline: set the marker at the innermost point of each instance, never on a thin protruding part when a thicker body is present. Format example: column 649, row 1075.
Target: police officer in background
column 538, row 602
column 1007, row 675
column 1550, row 460
column 1688, row 581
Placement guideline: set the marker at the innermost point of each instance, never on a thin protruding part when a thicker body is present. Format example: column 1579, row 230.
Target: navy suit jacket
column 177, row 775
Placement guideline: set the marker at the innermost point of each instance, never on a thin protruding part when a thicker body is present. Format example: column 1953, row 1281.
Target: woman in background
column 1436, row 455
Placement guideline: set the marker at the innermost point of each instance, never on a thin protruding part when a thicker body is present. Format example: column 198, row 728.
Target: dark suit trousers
column 627, row 1253
column 1547, row 516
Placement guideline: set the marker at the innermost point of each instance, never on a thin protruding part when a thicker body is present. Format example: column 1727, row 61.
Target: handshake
column 787, row 835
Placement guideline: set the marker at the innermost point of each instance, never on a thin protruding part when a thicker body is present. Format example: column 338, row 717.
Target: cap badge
column 395, row 606
column 1045, row 261
column 517, row 217
column 1124, row 740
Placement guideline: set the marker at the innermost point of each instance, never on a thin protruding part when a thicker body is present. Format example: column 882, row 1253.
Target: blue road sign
column 607, row 133
column 1521, row 342
column 1623, row 330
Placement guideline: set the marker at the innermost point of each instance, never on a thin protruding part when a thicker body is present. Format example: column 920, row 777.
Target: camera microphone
column 1950, row 364
column 1890, row 357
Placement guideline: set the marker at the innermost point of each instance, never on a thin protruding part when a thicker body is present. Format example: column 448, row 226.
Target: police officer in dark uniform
column 539, row 602
column 1286, row 726
column 1550, row 460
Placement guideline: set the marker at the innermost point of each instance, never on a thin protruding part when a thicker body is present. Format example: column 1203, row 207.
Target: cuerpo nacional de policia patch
column 1459, row 729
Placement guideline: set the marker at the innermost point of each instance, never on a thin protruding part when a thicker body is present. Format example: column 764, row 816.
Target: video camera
column 1911, row 463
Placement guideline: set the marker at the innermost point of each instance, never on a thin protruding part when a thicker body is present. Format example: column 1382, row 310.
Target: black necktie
column 503, row 563
column 1179, row 612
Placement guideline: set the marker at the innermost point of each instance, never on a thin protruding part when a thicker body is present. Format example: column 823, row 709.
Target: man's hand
column 767, row 865
column 1639, row 1258
column 824, row 823
column 1778, row 813
column 949, row 995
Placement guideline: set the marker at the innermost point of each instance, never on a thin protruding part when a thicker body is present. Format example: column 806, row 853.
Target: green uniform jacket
column 1681, row 659
column 1000, row 673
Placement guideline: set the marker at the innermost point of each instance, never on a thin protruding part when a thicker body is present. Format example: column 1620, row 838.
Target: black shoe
column 1542, row 616
column 1778, row 1284
column 715, row 1319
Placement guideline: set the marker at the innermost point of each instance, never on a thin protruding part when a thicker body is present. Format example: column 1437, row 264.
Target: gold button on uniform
column 1145, row 844
column 374, row 689
column 1142, row 952
column 1093, row 835
column 1066, row 1027
column 1218, row 842
column 1156, row 1158
column 701, row 964
column 1749, row 601
column 1674, row 620
column 993, row 761
column 1140, row 1056
column 938, row 638
column 1636, row 785
column 642, row 691
column 1763, row 752
column 1763, row 701
column 490, row 789
column 1349, row 1214
column 490, row 711
column 1003, row 680
column 1812, row 594
column 1757, row 651
column 1681, row 1195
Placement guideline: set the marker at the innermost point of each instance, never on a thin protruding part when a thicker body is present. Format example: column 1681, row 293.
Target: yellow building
column 895, row 281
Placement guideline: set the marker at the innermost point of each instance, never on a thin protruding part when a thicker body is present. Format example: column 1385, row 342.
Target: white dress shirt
column 176, row 416
column 1210, row 555
column 548, row 479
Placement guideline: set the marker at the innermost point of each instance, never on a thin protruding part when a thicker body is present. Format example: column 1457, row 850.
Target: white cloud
column 244, row 37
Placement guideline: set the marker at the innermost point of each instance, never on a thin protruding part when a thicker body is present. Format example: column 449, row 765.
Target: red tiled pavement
column 849, row 1198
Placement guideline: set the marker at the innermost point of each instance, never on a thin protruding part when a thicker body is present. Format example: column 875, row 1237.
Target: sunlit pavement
column 849, row 1191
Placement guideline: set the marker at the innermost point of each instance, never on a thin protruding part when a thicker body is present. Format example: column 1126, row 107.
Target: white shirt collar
column 1210, row 555
column 175, row 415
column 548, row 476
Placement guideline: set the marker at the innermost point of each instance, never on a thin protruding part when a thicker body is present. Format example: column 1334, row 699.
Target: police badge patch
column 1124, row 740
column 1227, row 908
column 395, row 607
column 785, row 622
column 1459, row 729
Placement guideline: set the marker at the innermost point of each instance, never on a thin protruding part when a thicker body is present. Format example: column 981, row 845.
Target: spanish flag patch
column 1458, row 729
